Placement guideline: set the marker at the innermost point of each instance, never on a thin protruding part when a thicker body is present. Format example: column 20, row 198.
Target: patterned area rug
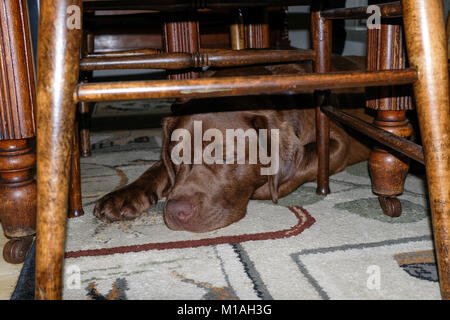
column 306, row 247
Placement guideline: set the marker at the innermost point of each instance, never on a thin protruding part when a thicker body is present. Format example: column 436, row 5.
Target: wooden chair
column 177, row 32
column 59, row 90
column 123, row 33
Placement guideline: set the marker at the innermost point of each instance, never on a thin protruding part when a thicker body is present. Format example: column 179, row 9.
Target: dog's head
column 205, row 196
column 210, row 186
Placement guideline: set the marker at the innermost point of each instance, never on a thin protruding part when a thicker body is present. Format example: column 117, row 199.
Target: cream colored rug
column 306, row 247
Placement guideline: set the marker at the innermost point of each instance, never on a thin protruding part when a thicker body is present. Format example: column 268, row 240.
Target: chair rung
column 176, row 61
column 239, row 86
column 402, row 145
column 387, row 10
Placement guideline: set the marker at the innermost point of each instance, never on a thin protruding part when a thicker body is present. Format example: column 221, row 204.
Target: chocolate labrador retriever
column 203, row 197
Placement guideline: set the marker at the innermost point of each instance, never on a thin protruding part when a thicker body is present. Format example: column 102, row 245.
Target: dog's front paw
column 123, row 204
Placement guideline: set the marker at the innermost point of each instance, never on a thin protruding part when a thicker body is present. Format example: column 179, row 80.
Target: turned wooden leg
column 388, row 171
column 17, row 197
column 75, row 200
column 17, row 158
column 58, row 74
column 427, row 51
column 321, row 37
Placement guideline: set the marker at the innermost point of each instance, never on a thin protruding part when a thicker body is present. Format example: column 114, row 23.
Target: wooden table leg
column 57, row 67
column 17, row 131
column 321, row 38
column 17, row 197
column 388, row 170
column 427, row 50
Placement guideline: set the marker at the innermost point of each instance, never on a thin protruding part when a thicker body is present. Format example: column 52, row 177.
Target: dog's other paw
column 123, row 204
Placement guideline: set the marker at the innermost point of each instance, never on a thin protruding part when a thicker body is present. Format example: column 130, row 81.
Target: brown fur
column 219, row 194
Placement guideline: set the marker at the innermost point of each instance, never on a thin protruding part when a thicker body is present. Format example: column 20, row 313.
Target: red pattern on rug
column 303, row 223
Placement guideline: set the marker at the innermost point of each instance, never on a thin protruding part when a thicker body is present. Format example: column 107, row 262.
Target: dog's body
column 204, row 197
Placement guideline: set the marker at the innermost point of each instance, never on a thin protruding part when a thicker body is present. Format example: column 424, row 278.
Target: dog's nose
column 181, row 209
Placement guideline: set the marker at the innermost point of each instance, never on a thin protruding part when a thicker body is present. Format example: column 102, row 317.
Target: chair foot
column 75, row 213
column 15, row 251
column 323, row 190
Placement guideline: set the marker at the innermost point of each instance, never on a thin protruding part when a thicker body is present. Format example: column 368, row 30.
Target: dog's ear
column 168, row 126
column 264, row 122
column 289, row 149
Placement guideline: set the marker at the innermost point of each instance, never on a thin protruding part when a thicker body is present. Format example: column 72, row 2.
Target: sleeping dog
column 207, row 195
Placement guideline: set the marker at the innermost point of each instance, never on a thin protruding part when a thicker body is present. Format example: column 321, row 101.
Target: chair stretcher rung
column 181, row 60
column 239, row 86
column 402, row 145
column 387, row 10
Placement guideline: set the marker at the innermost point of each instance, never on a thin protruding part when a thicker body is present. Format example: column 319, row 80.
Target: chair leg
column 427, row 49
column 388, row 171
column 85, row 133
column 75, row 200
column 58, row 72
column 321, row 38
column 84, row 107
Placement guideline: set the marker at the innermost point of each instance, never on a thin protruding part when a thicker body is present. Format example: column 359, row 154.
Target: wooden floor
column 8, row 273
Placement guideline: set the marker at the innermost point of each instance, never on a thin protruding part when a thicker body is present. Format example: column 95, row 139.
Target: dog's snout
column 181, row 209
